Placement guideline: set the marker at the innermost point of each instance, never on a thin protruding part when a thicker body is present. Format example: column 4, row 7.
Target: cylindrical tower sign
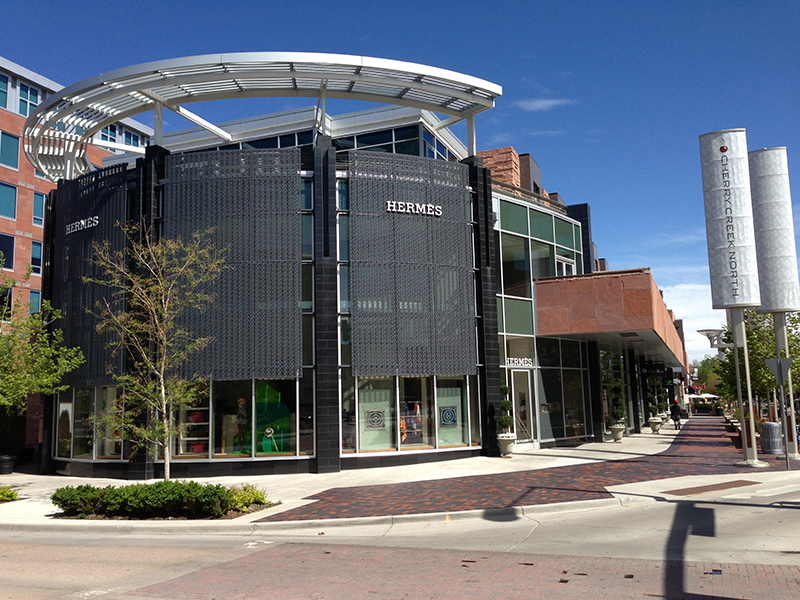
column 729, row 219
column 774, row 229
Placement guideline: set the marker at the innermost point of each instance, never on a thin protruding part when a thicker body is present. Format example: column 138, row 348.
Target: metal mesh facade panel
column 411, row 274
column 251, row 198
column 87, row 209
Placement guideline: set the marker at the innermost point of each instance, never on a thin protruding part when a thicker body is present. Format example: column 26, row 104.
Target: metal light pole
column 780, row 367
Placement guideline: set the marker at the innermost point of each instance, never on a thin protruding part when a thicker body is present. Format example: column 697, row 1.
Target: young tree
column 760, row 346
column 32, row 358
column 154, row 283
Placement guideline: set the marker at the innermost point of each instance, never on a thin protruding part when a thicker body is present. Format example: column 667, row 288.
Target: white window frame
column 16, row 201
column 33, row 213
column 34, row 270
column 5, row 134
column 29, row 105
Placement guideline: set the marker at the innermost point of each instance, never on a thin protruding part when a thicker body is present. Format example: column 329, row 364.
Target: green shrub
column 245, row 495
column 162, row 499
column 7, row 494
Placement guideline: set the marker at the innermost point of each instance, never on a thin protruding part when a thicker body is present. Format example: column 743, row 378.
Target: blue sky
column 608, row 97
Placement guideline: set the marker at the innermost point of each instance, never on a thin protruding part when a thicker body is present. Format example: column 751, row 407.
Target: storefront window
column 474, row 411
column 308, row 340
column 574, row 421
column 346, row 348
column 232, row 418
column 549, row 355
column 348, row 411
column 193, row 440
column 108, row 422
column 451, row 399
column 82, row 435
column 516, row 266
column 306, row 424
column 521, row 349
column 416, row 412
column 64, row 425
column 376, row 414
column 551, row 418
column 276, row 416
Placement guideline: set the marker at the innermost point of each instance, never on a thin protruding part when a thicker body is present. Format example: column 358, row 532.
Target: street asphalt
column 647, row 467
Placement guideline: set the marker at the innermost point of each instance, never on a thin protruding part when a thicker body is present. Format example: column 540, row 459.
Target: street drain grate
column 704, row 489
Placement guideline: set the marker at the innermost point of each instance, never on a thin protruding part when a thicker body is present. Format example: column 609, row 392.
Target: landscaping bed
column 163, row 500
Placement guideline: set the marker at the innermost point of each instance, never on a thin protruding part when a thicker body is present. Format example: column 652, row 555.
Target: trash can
column 7, row 464
column 771, row 442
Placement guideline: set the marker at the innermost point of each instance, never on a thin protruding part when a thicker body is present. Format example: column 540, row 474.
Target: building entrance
column 525, row 417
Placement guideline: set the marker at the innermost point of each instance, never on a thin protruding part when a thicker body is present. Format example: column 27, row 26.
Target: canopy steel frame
column 56, row 134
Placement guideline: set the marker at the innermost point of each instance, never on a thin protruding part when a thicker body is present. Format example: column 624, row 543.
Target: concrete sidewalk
column 550, row 479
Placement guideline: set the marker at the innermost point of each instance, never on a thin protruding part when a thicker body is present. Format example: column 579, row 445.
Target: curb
column 242, row 529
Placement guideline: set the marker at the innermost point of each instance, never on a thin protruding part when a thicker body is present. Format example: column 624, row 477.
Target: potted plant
column 617, row 413
column 654, row 421
column 507, row 438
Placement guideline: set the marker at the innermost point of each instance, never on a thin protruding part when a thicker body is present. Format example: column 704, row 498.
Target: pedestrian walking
column 675, row 413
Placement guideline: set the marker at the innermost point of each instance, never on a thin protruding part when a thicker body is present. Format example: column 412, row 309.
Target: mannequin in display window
column 241, row 422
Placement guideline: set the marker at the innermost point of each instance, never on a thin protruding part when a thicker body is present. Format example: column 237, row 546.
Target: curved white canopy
column 56, row 133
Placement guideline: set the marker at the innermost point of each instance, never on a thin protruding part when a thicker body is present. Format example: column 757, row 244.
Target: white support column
column 471, row 135
column 740, row 341
column 158, row 123
column 69, row 163
column 782, row 346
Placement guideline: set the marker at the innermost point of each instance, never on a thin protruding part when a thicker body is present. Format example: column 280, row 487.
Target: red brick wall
column 25, row 232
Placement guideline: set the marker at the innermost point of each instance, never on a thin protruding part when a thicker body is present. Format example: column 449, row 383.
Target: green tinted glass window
column 516, row 266
column 542, row 260
column 519, row 316
column 564, row 233
column 578, row 241
column 513, row 217
column 541, row 225
column 500, row 315
column 307, row 194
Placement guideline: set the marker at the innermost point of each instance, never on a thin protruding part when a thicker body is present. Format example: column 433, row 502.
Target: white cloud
column 692, row 303
column 542, row 104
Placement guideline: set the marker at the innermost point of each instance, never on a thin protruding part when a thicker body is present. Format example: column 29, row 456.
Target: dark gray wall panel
column 413, row 307
column 251, row 197
column 98, row 200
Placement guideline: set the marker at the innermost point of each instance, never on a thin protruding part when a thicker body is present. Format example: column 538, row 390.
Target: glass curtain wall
column 548, row 377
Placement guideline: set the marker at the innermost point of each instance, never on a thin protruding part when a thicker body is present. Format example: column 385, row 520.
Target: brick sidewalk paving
column 703, row 447
column 336, row 572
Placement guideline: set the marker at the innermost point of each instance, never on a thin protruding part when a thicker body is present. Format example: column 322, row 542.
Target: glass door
column 524, row 421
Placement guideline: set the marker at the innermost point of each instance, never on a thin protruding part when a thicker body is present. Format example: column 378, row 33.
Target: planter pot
column 7, row 464
column 655, row 424
column 506, row 442
column 617, row 431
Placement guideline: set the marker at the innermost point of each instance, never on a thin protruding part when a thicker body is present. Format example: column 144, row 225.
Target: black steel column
column 596, row 391
column 638, row 405
column 486, row 302
column 326, row 311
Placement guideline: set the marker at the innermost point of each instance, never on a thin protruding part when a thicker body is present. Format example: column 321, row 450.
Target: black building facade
column 356, row 316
